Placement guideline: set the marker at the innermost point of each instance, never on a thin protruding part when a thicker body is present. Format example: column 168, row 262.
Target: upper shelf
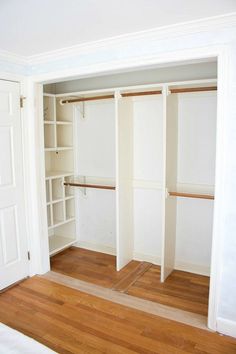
column 56, row 174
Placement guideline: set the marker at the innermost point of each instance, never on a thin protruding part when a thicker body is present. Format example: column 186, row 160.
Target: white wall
column 191, row 71
column 95, row 151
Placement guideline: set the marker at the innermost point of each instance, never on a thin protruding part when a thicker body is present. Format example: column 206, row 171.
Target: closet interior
column 129, row 174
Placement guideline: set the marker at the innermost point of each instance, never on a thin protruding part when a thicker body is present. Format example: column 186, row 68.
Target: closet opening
column 129, row 182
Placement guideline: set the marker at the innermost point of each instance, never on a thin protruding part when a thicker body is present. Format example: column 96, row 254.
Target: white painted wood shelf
column 59, row 166
column 145, row 144
column 58, row 243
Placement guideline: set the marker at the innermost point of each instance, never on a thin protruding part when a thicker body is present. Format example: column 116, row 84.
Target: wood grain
column 191, row 195
column 94, row 267
column 70, row 321
column 182, row 290
column 193, row 89
column 86, row 185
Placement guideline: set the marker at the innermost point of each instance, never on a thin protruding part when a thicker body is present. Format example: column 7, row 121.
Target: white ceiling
column 30, row 27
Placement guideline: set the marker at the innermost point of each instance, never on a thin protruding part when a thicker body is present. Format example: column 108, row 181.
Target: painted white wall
column 37, row 26
column 95, row 157
column 192, row 71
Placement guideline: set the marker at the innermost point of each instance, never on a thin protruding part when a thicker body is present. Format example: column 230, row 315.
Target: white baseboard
column 192, row 268
column 226, row 327
column 186, row 267
column 147, row 258
column 110, row 250
column 95, row 247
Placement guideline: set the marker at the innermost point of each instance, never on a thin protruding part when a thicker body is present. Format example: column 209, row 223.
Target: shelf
column 49, row 122
column 63, row 122
column 59, row 148
column 56, row 174
column 61, row 200
column 59, row 223
column 58, row 243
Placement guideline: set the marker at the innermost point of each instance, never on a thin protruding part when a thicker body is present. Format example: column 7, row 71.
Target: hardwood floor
column 182, row 290
column 93, row 267
column 70, row 321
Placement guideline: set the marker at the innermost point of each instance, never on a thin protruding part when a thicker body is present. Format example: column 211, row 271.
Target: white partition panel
column 148, row 177
column 168, row 247
column 124, row 178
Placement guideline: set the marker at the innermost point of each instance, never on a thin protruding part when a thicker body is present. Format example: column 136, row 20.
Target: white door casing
column 14, row 264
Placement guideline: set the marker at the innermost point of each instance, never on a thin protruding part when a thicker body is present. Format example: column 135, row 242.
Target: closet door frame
column 40, row 258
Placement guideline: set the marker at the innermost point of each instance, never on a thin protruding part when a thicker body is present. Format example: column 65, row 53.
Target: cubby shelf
column 58, row 243
column 59, row 223
column 60, row 200
column 49, row 122
column 62, row 148
column 58, row 138
column 56, row 174
column 63, row 122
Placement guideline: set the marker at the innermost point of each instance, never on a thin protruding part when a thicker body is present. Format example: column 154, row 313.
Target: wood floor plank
column 182, row 290
column 70, row 321
column 127, row 281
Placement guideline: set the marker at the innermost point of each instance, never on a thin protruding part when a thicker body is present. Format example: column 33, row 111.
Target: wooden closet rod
column 191, row 195
column 141, row 93
column 105, row 97
column 85, row 185
column 193, row 89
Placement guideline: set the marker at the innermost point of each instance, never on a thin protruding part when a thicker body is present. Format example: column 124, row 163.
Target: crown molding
column 117, row 42
column 171, row 31
column 13, row 58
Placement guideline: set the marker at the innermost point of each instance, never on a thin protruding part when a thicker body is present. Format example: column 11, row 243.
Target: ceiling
column 31, row 27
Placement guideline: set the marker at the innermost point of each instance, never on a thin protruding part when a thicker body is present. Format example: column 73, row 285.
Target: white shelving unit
column 59, row 155
column 157, row 149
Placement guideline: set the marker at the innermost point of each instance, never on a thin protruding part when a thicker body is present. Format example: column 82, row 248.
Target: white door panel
column 13, row 238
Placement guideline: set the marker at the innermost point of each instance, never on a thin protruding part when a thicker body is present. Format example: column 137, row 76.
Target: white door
column 13, row 238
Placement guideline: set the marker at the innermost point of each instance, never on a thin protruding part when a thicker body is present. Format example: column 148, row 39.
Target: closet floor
column 182, row 290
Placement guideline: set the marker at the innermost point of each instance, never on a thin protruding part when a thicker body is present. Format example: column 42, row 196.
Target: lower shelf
column 58, row 243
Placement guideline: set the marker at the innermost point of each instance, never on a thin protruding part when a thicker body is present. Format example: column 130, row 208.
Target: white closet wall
column 96, row 163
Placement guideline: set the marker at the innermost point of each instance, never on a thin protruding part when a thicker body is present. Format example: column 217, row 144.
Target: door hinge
column 22, row 98
column 28, row 255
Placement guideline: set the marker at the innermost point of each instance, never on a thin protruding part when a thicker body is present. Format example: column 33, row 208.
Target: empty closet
column 130, row 171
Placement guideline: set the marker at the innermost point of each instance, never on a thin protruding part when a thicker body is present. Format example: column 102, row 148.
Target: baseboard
column 147, row 258
column 186, row 267
column 226, row 327
column 95, row 247
column 192, row 268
